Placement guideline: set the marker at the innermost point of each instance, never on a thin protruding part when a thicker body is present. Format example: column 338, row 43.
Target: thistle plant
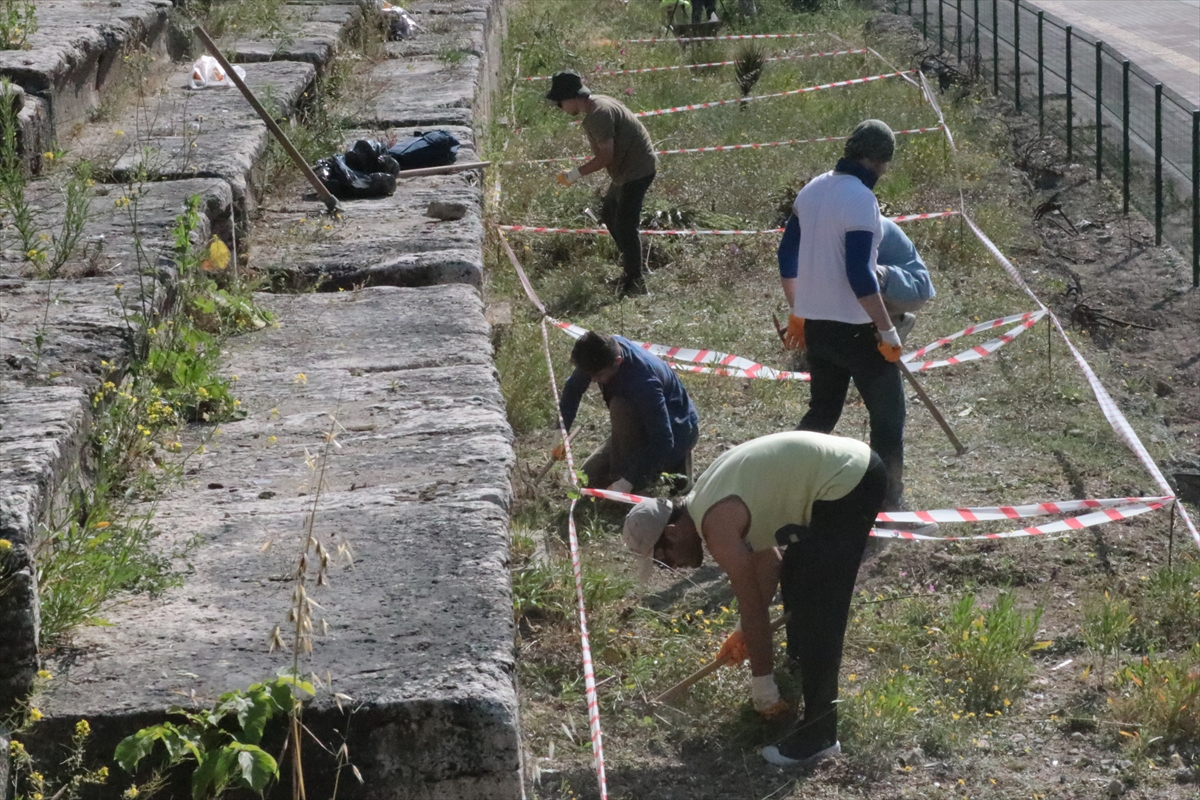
column 748, row 66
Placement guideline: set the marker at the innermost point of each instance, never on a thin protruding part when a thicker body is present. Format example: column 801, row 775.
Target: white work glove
column 569, row 177
column 890, row 337
column 765, row 694
column 621, row 485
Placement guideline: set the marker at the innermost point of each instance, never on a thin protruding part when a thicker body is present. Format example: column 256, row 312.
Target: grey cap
column 644, row 526
column 871, row 139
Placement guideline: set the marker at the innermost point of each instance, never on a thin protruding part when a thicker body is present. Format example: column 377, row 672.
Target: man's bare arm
column 724, row 529
column 789, row 291
column 873, row 305
column 602, row 158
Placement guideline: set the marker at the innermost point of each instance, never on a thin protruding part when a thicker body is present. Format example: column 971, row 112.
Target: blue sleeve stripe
column 858, row 263
column 789, row 249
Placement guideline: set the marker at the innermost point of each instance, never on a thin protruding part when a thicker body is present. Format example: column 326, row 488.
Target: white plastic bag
column 207, row 74
column 401, row 25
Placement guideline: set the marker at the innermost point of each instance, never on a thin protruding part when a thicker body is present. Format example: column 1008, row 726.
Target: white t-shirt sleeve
column 861, row 213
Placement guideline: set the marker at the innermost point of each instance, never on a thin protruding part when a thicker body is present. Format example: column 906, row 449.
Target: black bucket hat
column 566, row 85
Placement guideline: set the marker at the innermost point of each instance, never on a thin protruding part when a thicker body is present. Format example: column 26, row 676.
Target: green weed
column 29, row 783
column 1160, row 699
column 1106, row 622
column 987, row 661
column 1167, row 606
column 18, row 21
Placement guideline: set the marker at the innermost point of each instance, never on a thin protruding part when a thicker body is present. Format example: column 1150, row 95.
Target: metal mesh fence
column 1140, row 134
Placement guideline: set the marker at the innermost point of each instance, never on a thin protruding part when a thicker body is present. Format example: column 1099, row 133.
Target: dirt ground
column 1131, row 308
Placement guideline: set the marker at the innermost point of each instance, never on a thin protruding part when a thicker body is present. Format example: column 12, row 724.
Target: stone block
column 76, row 54
column 423, row 90
column 209, row 133
column 314, row 34
column 420, row 626
column 390, row 240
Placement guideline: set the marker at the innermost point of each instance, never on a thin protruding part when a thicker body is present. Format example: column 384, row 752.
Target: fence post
column 978, row 54
column 1070, row 113
column 925, row 20
column 910, row 7
column 1017, row 53
column 995, row 46
column 1041, row 76
column 958, row 28
column 1196, row 197
column 1158, row 159
column 1125, row 134
column 1099, row 109
column 941, row 27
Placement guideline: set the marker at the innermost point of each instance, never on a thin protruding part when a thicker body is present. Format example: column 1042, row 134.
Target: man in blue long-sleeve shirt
column 903, row 278
column 654, row 424
column 827, row 261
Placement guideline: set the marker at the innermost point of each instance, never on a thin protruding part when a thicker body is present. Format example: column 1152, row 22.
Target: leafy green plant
column 223, row 742
column 987, row 664
column 18, row 21
column 1106, row 621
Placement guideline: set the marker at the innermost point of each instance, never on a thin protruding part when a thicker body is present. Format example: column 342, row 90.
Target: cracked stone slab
column 423, row 90
column 386, row 241
column 420, row 626
column 208, row 133
column 75, row 55
column 108, row 246
column 314, row 35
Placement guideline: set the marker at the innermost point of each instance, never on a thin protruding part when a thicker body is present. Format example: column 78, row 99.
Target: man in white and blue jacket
column 903, row 278
column 654, row 424
column 827, row 268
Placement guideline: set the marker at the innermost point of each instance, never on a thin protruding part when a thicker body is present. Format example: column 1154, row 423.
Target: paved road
column 1160, row 36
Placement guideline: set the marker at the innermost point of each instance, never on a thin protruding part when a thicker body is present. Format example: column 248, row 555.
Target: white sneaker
column 773, row 756
column 713, row 18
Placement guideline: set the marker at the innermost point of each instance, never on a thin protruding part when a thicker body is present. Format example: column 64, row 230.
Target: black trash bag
column 432, row 149
column 346, row 183
column 368, row 155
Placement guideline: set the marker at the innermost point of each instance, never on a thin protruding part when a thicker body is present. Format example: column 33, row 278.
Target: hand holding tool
column 794, row 338
column 889, row 344
column 569, row 177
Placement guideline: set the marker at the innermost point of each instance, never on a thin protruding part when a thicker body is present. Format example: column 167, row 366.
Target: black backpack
column 432, row 149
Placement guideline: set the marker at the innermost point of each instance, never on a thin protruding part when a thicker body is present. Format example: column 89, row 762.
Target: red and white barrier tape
column 1027, row 321
column 731, row 365
column 721, row 148
column 716, row 103
column 1108, row 406
column 727, row 38
column 589, row 675
column 696, row 232
column 677, row 67
column 1113, row 509
column 1062, row 526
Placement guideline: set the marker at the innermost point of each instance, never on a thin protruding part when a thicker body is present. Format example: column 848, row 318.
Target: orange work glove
column 559, row 452
column 780, row 709
column 734, row 649
column 889, row 344
column 794, row 338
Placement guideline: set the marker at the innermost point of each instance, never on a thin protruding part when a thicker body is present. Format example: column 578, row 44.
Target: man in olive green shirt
column 816, row 497
column 621, row 145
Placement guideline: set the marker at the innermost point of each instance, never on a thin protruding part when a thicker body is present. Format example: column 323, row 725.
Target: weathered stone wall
column 420, row 628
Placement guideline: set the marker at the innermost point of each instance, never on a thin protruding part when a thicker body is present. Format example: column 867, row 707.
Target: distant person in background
column 704, row 11
column 675, row 12
column 622, row 146
column 654, row 424
column 903, row 278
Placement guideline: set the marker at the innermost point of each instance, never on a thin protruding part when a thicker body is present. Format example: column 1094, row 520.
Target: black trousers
column 702, row 10
column 817, row 582
column 837, row 352
column 622, row 212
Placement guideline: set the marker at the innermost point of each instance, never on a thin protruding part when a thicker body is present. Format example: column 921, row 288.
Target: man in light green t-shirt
column 811, row 495
column 621, row 145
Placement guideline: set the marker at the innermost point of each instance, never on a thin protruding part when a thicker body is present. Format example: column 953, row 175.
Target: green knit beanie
column 871, row 139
